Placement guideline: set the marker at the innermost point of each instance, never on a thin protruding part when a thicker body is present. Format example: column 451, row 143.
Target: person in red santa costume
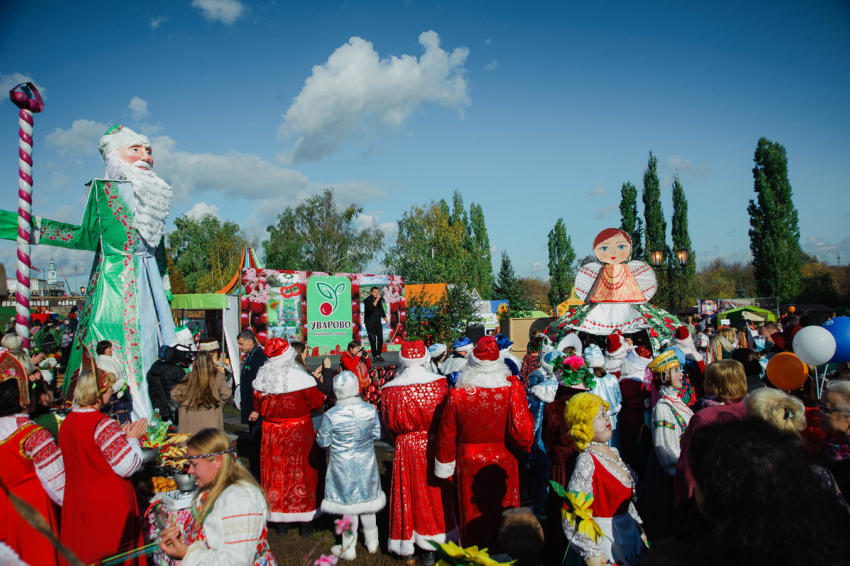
column 421, row 506
column 694, row 360
column 615, row 352
column 32, row 469
column 292, row 462
column 636, row 398
column 485, row 424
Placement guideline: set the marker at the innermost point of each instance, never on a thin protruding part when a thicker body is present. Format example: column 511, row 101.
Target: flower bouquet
column 574, row 372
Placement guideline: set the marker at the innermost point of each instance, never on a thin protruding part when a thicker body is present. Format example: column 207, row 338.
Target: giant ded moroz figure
column 128, row 290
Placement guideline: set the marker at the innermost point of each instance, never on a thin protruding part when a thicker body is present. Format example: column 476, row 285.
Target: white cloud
column 607, row 209
column 537, row 267
column 686, row 168
column 488, row 42
column 238, row 175
column 224, row 11
column 598, row 191
column 492, row 65
column 355, row 93
column 81, row 138
column 827, row 251
column 201, row 209
column 494, row 250
column 158, row 21
column 150, row 129
column 8, row 82
column 138, row 109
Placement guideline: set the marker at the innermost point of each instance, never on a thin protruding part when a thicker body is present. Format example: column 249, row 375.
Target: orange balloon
column 786, row 371
column 792, row 308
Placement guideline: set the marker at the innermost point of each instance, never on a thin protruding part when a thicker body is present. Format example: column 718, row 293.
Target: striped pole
column 26, row 97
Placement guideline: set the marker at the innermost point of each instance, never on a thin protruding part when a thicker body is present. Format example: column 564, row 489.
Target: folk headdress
column 10, row 368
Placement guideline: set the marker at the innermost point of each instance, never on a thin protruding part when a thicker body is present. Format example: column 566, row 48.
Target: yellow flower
column 580, row 515
column 452, row 549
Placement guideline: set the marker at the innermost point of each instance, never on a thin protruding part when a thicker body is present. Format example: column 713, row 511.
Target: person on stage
column 373, row 314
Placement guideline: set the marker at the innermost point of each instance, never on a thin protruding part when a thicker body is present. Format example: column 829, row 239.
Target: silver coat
column 352, row 485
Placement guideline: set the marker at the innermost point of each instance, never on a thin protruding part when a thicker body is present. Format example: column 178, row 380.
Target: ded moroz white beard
column 153, row 197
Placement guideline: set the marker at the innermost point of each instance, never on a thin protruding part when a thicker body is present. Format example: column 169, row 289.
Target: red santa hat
column 486, row 349
column 616, row 345
column 275, row 347
column 683, row 340
column 682, row 333
column 414, row 353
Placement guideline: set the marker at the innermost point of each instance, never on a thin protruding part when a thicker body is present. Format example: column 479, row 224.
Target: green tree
column 482, row 264
column 719, row 279
column 655, row 234
column 318, row 235
column 206, row 251
column 774, row 233
column 441, row 320
column 682, row 280
column 437, row 243
column 631, row 223
column 509, row 288
column 562, row 259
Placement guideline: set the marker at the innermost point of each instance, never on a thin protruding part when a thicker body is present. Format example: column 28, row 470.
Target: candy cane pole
column 26, row 97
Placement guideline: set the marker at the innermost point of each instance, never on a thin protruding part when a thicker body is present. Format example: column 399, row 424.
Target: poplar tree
column 682, row 281
column 482, row 279
column 774, row 233
column 562, row 257
column 631, row 223
column 655, row 235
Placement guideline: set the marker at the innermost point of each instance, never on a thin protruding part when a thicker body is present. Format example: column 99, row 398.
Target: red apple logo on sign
column 326, row 309
column 331, row 294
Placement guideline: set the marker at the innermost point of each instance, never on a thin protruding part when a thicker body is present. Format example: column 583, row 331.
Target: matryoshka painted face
column 615, row 249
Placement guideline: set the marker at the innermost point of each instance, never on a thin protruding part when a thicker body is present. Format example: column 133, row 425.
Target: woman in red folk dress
column 421, row 507
column 100, row 516
column 485, row 424
column 32, row 469
column 292, row 462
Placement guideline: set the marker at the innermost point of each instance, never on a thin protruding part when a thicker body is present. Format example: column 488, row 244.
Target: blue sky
column 535, row 110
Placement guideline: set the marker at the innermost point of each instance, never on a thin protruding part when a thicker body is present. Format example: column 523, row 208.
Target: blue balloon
column 839, row 327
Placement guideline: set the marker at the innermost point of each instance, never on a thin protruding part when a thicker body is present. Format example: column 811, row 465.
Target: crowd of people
column 665, row 452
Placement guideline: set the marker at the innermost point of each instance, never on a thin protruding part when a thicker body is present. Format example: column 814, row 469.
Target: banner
column 707, row 307
column 324, row 311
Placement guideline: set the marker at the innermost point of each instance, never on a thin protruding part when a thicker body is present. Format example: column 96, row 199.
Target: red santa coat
column 421, row 506
column 33, row 470
column 292, row 470
column 485, row 424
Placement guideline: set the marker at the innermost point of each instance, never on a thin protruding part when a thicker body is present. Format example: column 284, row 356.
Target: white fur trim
column 294, row 517
column 361, row 508
column 467, row 348
column 407, row 548
column 687, row 347
column 414, row 375
column 125, row 137
column 444, row 471
column 615, row 360
column 413, row 362
column 545, row 394
column 484, row 373
column 281, row 375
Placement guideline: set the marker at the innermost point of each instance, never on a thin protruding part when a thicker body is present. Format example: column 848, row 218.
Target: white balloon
column 814, row 345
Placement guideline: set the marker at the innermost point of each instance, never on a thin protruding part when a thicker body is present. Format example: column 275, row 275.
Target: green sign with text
column 329, row 323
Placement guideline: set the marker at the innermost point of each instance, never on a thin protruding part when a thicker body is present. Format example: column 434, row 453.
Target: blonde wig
column 581, row 410
column 213, row 441
column 786, row 413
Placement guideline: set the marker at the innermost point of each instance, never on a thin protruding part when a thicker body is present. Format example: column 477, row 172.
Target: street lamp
column 657, row 258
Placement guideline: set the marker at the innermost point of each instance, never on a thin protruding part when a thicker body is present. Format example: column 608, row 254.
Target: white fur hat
column 346, row 385
column 570, row 339
column 119, row 136
column 436, row 350
column 593, row 356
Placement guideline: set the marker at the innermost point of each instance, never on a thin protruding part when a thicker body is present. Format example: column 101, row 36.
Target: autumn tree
column 206, row 251
column 536, row 292
column 319, row 235
column 562, row 258
column 774, row 233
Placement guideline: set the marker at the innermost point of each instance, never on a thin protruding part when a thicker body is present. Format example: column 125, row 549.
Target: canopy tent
column 747, row 312
column 249, row 261
column 229, row 305
column 572, row 301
